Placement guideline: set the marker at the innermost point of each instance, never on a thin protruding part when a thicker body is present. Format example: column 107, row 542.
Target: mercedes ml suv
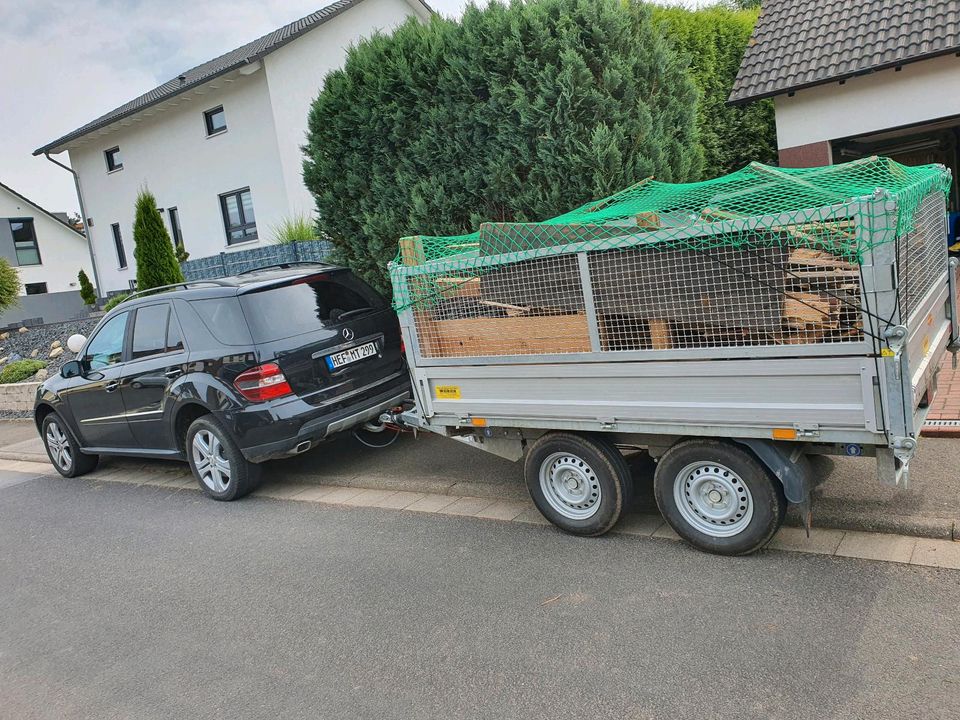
column 226, row 374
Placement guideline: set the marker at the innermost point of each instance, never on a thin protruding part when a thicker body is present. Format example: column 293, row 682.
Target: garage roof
column 802, row 43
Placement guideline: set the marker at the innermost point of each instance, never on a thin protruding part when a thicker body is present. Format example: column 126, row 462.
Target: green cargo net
column 763, row 256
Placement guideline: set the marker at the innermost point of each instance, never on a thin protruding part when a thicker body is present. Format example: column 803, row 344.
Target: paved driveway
column 144, row 602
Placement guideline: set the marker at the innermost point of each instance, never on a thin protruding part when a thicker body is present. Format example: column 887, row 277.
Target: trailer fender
column 789, row 465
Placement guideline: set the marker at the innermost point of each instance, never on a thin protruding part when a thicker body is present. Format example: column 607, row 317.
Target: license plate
column 354, row 354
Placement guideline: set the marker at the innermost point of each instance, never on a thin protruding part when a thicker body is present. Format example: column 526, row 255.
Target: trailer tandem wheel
column 718, row 497
column 578, row 482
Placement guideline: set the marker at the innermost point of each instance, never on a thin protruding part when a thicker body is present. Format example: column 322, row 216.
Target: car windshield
column 307, row 305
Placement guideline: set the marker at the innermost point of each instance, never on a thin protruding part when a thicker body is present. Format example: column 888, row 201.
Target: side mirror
column 71, row 368
column 75, row 343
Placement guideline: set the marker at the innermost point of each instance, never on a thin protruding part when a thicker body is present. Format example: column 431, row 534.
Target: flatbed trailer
column 730, row 415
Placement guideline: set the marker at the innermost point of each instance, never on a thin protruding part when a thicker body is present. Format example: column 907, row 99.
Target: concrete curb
column 881, row 547
column 912, row 526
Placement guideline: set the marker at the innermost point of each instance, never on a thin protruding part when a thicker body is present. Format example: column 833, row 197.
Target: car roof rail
column 283, row 265
column 184, row 285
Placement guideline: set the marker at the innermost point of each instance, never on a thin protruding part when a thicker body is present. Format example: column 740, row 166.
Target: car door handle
column 175, row 372
column 111, row 386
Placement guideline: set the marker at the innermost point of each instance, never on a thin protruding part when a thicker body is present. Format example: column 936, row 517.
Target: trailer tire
column 718, row 497
column 577, row 482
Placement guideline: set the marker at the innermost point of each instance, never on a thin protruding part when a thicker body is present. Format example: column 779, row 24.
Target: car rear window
column 308, row 304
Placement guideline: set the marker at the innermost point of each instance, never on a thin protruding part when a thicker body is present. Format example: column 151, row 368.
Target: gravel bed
column 20, row 345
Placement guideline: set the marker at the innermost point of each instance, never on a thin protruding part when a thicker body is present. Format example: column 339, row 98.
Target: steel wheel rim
column 570, row 486
column 58, row 445
column 211, row 464
column 713, row 499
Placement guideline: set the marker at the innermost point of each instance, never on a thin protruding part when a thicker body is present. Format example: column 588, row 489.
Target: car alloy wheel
column 59, row 446
column 211, row 463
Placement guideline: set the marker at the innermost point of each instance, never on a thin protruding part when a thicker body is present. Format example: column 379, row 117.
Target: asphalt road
column 126, row 602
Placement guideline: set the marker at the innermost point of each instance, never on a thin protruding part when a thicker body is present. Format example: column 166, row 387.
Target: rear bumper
column 313, row 425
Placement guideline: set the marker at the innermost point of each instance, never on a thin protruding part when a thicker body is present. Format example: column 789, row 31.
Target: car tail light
column 264, row 382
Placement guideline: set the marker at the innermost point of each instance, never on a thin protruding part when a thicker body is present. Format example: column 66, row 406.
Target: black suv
column 226, row 374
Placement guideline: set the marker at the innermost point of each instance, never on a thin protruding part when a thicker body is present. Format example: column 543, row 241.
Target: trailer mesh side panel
column 763, row 257
column 922, row 254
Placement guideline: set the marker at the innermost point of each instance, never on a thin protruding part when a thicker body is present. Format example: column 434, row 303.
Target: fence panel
column 232, row 263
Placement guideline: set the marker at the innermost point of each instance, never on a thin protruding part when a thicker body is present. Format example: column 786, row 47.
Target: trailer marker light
column 784, row 434
column 478, row 422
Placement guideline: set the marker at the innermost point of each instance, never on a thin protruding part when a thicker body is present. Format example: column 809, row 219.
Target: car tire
column 217, row 463
column 63, row 450
column 577, row 482
column 718, row 497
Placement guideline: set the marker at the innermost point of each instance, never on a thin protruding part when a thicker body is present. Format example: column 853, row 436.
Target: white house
column 853, row 78
column 219, row 145
column 48, row 253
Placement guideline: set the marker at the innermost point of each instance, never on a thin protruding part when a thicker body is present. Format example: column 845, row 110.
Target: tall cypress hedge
column 713, row 40
column 516, row 112
column 152, row 248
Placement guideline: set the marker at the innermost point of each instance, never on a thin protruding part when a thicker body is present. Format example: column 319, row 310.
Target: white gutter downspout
column 83, row 218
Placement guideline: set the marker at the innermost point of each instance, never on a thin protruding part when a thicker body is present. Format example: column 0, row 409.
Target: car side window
column 150, row 331
column 174, row 335
column 106, row 347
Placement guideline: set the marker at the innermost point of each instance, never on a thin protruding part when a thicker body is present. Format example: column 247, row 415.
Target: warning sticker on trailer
column 447, row 392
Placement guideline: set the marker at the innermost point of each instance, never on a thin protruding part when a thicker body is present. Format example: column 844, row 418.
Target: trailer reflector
column 784, row 434
column 478, row 422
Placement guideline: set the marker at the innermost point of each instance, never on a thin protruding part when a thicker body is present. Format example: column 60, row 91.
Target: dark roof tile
column 798, row 43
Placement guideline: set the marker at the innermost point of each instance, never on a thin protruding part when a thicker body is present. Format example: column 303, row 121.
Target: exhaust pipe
column 302, row 447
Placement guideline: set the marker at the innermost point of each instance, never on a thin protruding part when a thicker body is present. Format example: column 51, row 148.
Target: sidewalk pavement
column 851, row 498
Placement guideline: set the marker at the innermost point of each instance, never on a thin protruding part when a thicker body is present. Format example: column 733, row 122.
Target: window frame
column 45, row 291
column 119, row 250
column 208, row 121
column 224, row 213
column 36, row 243
column 110, row 159
column 176, row 233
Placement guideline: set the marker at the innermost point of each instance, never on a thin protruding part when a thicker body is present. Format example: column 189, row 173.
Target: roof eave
column 845, row 76
column 46, row 212
column 60, row 144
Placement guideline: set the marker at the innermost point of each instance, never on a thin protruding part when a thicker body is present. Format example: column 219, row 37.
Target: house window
column 118, row 244
column 25, row 241
column 238, row 218
column 35, row 288
column 215, row 120
column 113, row 159
column 174, row 216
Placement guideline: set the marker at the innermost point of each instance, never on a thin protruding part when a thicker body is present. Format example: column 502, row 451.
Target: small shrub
column 9, row 285
column 87, row 293
column 20, row 370
column 299, row 228
column 114, row 301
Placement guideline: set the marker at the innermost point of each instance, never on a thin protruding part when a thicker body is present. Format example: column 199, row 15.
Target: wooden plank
column 458, row 287
column 411, row 251
column 805, row 310
column 660, row 334
column 648, row 220
column 505, row 336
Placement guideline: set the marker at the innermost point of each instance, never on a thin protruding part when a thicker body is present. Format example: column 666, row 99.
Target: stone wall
column 18, row 397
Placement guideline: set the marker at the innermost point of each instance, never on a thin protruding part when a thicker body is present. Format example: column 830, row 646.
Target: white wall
column 921, row 91
column 170, row 153
column 62, row 252
column 295, row 75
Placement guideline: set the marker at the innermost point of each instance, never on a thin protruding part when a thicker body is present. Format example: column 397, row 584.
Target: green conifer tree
column 152, row 248
column 515, row 112
column 87, row 293
column 9, row 285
